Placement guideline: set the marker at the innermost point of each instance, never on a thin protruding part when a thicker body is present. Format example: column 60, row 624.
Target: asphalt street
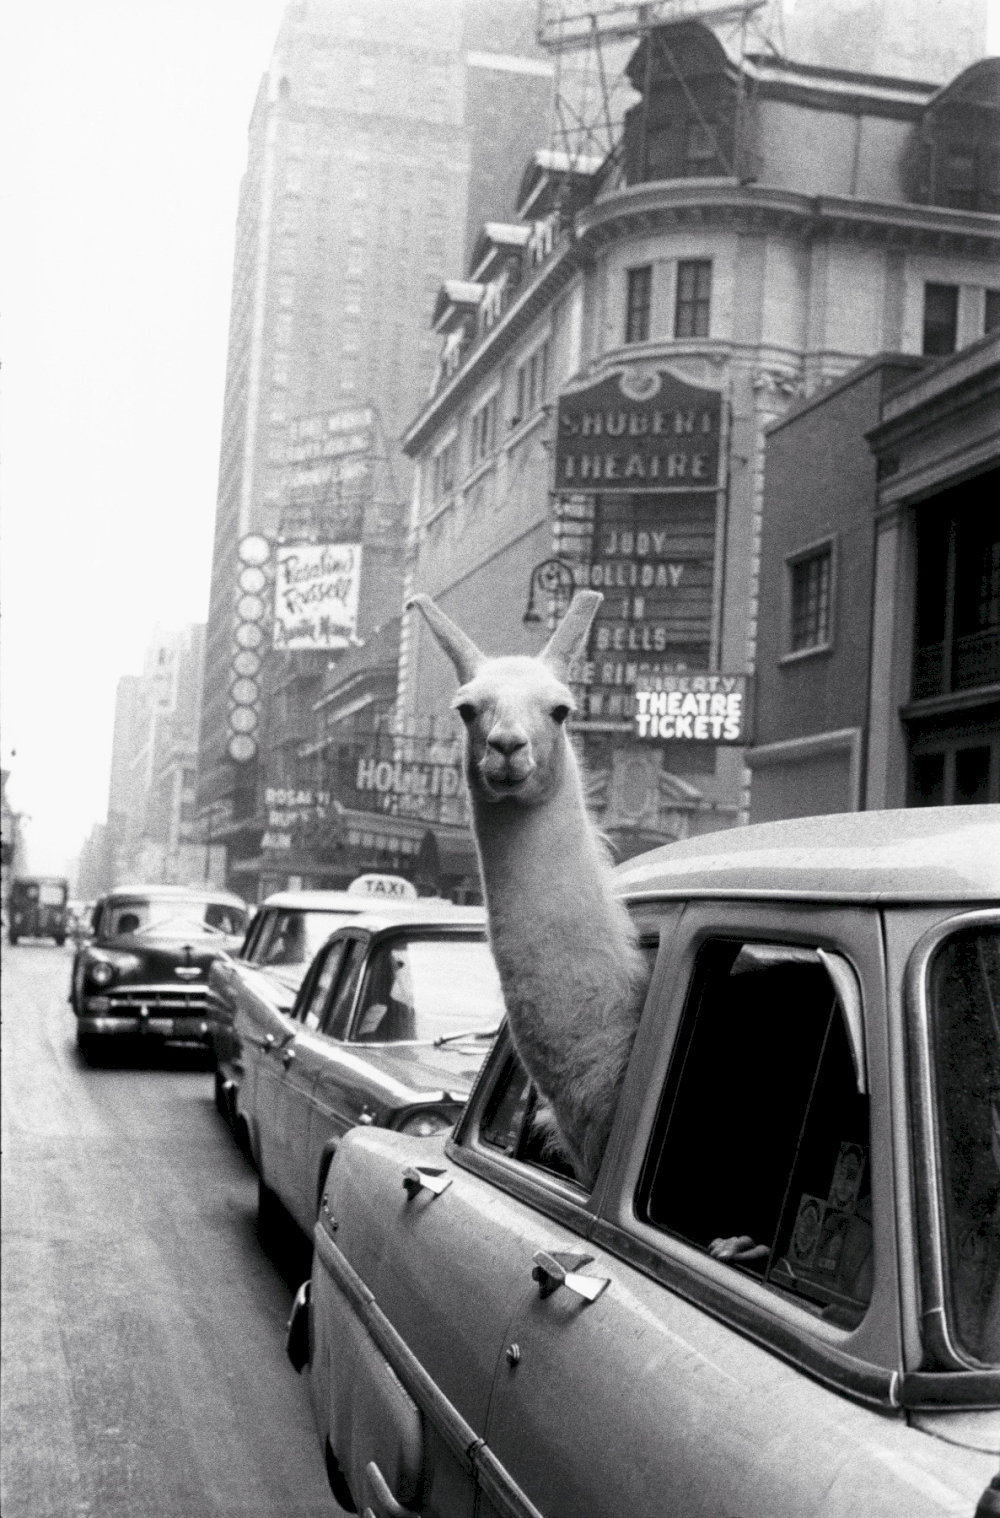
column 143, row 1326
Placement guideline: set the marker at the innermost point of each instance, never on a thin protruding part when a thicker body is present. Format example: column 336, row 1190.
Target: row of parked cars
column 781, row 1296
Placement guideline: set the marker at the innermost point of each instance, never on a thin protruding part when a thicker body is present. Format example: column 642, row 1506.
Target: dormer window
column 957, row 152
column 684, row 127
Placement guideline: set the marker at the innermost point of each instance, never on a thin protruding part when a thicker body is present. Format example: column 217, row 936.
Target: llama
column 572, row 974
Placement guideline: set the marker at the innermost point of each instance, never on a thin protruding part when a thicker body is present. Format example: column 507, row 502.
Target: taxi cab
column 781, row 1299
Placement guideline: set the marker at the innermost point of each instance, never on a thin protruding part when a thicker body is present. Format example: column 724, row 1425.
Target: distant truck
column 37, row 908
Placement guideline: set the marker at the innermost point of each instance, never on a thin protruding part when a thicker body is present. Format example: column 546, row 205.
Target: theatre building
column 612, row 360
column 878, row 681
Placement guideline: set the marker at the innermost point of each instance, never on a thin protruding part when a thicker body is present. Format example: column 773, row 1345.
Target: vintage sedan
column 145, row 971
column 781, row 1298
column 263, row 977
column 389, row 1029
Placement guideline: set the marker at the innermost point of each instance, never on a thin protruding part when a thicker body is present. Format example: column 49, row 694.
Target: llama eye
column 466, row 711
column 560, row 713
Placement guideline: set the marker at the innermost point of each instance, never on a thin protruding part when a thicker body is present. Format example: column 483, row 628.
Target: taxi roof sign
column 385, row 887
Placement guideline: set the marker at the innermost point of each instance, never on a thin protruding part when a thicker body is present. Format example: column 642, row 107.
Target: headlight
column 427, row 1122
column 101, row 972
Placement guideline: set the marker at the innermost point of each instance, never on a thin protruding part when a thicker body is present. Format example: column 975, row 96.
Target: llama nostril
column 506, row 743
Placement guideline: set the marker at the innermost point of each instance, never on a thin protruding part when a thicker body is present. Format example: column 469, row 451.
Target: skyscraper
column 382, row 136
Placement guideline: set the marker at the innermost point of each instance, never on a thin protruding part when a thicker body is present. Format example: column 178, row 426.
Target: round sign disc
column 254, row 549
column 242, row 719
column 244, row 692
column 242, row 748
column 246, row 662
column 249, row 635
column 250, row 609
column 252, row 580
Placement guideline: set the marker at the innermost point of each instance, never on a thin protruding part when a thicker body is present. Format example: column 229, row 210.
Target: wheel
column 87, row 1043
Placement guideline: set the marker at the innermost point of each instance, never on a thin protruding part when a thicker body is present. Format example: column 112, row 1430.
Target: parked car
column 145, row 970
column 782, row 1296
column 264, row 976
column 37, row 908
column 389, row 1028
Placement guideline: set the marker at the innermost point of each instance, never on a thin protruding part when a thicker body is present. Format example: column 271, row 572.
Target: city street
column 143, row 1327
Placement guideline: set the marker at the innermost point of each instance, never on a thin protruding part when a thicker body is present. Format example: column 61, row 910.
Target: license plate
column 160, row 1024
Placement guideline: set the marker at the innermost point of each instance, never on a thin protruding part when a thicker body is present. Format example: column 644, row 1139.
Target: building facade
column 615, row 355
column 879, row 650
column 380, row 132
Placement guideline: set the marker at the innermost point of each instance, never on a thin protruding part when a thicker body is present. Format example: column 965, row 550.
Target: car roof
column 317, row 901
column 427, row 913
column 174, row 893
column 921, row 854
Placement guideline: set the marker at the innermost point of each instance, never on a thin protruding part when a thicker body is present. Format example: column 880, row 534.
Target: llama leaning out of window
column 572, row 974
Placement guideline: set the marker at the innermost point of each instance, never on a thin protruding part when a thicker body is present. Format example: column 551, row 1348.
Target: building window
column 444, row 470
column 957, row 635
column 694, row 295
column 532, row 382
column 701, row 156
column 991, row 311
column 639, row 297
column 811, row 600
column 484, row 431
column 940, row 319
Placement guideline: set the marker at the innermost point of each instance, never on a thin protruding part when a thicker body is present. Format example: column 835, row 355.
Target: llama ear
column 570, row 638
column 460, row 648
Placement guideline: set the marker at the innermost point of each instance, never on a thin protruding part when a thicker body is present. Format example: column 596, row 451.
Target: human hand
column 739, row 1249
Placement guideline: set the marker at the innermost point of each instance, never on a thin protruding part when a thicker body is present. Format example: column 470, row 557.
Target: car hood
column 159, row 957
column 422, row 1067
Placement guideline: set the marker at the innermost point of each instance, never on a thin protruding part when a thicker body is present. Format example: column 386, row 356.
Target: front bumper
column 147, row 1011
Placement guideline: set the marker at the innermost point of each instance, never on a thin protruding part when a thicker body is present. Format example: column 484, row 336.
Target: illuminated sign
column 639, row 432
column 316, row 595
column 387, row 887
column 710, row 708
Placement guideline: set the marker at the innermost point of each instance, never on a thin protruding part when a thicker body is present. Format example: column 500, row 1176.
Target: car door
column 284, row 1136
column 741, row 1357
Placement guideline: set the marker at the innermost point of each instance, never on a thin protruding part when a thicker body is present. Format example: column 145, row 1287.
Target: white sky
column 124, row 146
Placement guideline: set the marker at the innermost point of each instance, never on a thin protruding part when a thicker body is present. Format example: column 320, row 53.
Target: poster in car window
column 316, row 595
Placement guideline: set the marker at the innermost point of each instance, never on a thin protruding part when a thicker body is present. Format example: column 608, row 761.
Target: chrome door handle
column 287, row 1057
column 425, row 1178
column 554, row 1270
column 267, row 1042
column 381, row 1503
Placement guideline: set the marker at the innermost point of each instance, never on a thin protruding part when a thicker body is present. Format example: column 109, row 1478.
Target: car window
column 513, row 1124
column 760, row 1155
column 338, row 1014
column 428, row 989
column 294, row 937
column 228, row 920
column 311, row 1011
column 965, row 1018
column 51, row 895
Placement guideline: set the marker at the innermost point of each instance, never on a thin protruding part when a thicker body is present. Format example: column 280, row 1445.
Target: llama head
column 515, row 708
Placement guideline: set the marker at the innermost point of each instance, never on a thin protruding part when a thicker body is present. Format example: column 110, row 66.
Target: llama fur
column 572, row 974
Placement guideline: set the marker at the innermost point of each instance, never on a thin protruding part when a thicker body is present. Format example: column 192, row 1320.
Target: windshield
column 171, row 919
column 293, row 937
column 965, row 1007
column 51, row 895
column 426, row 989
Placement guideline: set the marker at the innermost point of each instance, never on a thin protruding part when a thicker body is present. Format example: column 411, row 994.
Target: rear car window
column 760, row 1154
column 965, row 1019
column 141, row 915
column 293, row 937
column 430, row 990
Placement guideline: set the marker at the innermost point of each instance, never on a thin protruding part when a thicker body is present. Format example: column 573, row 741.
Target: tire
column 87, row 1043
column 12, row 936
